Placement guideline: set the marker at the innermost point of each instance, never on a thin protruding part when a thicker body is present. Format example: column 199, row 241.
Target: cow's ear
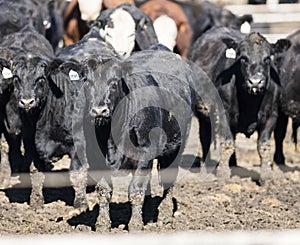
column 274, row 75
column 246, row 18
column 246, row 21
column 5, row 69
column 125, row 88
column 225, row 76
column 52, row 70
column 145, row 34
column 53, row 66
column 73, row 70
column 281, row 46
column 230, row 43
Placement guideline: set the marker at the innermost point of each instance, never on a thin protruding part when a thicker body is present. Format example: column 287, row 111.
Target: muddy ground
column 202, row 203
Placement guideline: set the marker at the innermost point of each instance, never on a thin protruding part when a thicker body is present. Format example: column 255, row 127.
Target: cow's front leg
column 104, row 195
column 136, row 195
column 227, row 149
column 264, row 149
column 37, row 178
column 78, row 178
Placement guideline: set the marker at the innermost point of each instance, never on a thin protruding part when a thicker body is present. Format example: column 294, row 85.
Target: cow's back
column 16, row 14
column 209, row 51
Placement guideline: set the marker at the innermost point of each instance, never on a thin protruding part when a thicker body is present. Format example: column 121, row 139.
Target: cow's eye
column 132, row 35
column 114, row 86
column 267, row 60
column 40, row 80
column 16, row 80
column 244, row 59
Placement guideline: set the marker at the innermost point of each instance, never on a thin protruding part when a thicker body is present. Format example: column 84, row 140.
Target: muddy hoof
column 36, row 201
column 223, row 173
column 136, row 224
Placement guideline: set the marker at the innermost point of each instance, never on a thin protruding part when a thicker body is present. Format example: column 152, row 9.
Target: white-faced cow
column 249, row 89
column 171, row 25
column 79, row 13
column 131, row 99
column 288, row 65
column 126, row 28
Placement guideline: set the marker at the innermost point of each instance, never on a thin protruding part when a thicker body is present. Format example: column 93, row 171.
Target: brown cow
column 156, row 8
column 80, row 12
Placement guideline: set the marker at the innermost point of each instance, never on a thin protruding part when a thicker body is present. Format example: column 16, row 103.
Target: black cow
column 205, row 15
column 10, row 123
column 288, row 66
column 12, row 45
column 47, row 90
column 31, row 54
column 126, row 103
column 17, row 14
column 249, row 89
column 53, row 23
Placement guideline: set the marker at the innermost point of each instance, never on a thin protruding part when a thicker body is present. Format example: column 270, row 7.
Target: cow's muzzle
column 27, row 104
column 256, row 85
column 100, row 111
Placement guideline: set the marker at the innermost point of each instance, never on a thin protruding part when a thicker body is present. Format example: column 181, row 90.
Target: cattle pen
column 207, row 210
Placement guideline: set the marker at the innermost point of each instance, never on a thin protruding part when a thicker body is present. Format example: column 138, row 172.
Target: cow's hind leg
column 168, row 171
column 279, row 135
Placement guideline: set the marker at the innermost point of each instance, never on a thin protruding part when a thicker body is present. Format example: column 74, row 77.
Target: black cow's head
column 104, row 88
column 30, row 80
column 253, row 63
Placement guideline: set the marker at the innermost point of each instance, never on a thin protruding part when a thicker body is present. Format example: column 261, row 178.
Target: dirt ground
column 206, row 204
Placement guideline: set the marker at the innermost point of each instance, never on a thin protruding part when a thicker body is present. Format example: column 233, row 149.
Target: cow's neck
column 249, row 106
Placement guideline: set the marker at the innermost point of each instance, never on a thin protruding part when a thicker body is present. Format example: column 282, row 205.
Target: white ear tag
column 230, row 53
column 73, row 75
column 245, row 28
column 6, row 73
column 102, row 33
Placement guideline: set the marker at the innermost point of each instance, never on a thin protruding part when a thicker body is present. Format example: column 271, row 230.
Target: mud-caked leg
column 168, row 175
column 264, row 151
column 136, row 195
column 5, row 170
column 78, row 180
column 166, row 208
column 37, row 181
column 104, row 195
column 223, row 170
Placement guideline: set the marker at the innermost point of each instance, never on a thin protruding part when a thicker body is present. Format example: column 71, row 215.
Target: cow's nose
column 123, row 54
column 255, row 81
column 27, row 103
column 100, row 111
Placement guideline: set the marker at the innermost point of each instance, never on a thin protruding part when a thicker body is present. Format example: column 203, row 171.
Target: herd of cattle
column 75, row 75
